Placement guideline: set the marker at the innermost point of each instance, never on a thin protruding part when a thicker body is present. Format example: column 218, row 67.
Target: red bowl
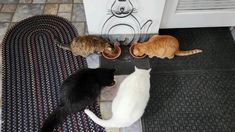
column 131, row 52
column 112, row 55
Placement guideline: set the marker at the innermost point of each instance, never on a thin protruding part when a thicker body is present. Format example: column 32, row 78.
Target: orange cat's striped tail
column 188, row 52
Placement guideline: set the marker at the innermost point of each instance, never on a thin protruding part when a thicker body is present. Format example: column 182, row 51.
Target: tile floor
column 13, row 11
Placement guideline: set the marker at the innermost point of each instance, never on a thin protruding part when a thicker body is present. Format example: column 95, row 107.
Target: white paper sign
column 124, row 20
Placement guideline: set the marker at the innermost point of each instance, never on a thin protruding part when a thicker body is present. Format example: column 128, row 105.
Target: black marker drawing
column 122, row 17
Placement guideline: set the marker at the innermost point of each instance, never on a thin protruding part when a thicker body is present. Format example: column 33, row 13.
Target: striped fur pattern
column 85, row 45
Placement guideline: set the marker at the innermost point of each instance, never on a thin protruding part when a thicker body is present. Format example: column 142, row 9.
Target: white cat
column 129, row 104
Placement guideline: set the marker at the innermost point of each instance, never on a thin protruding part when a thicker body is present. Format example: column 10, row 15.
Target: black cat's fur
column 78, row 91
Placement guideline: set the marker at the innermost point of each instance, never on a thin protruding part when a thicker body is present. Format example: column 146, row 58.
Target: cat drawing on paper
column 130, row 101
column 123, row 19
column 161, row 46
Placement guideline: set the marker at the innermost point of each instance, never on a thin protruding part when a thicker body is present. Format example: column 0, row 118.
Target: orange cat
column 162, row 46
column 85, row 45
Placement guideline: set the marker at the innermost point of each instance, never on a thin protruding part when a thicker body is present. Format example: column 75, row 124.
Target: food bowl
column 115, row 53
column 131, row 52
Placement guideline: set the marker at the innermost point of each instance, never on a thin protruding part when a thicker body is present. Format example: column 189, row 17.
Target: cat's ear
column 149, row 70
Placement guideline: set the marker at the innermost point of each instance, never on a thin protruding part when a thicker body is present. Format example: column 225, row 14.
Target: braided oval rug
column 33, row 71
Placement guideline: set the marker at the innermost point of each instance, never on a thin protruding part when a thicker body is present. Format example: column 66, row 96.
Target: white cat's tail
column 103, row 123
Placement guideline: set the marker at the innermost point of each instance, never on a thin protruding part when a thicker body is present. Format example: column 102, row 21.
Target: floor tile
column 5, row 17
column 9, row 1
column 8, row 8
column 65, row 8
column 25, row 1
column 3, row 30
column 108, row 93
column 65, row 15
column 27, row 10
column 59, row 1
column 112, row 130
column 39, row 1
column 51, row 9
column 12, row 24
column 136, row 127
column 106, row 113
column 80, row 26
column 105, row 109
column 93, row 61
column 78, row 13
column 77, row 1
column 1, row 6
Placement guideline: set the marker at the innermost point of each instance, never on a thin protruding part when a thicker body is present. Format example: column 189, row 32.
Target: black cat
column 78, row 91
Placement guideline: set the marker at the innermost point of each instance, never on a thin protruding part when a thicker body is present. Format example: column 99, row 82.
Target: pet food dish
column 131, row 52
column 112, row 53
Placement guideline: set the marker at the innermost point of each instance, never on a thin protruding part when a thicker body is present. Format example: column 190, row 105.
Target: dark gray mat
column 33, row 71
column 217, row 45
column 194, row 93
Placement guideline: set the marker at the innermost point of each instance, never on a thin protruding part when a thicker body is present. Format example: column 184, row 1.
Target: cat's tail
column 54, row 119
column 103, row 123
column 62, row 46
column 187, row 52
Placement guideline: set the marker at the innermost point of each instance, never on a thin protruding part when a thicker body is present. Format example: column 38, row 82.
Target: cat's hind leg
column 161, row 57
column 170, row 57
column 170, row 54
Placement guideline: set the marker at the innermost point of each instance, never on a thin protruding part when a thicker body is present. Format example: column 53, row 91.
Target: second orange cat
column 162, row 46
